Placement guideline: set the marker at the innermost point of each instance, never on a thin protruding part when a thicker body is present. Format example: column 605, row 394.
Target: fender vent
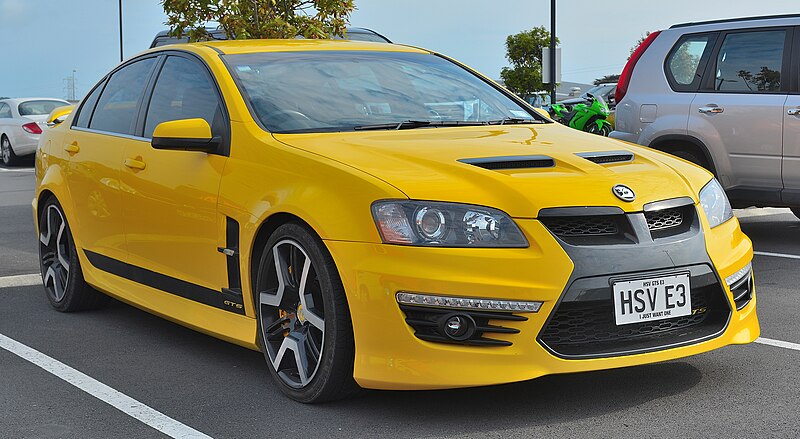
column 511, row 162
column 602, row 158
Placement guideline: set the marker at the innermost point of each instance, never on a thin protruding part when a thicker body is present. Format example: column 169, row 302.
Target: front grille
column 587, row 328
column 583, row 225
column 664, row 219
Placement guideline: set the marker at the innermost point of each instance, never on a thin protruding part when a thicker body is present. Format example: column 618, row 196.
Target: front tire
column 7, row 152
column 61, row 271
column 304, row 323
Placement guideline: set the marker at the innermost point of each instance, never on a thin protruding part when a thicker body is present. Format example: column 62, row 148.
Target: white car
column 21, row 123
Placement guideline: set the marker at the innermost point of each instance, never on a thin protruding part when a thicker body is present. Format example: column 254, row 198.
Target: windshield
column 38, row 108
column 600, row 90
column 344, row 91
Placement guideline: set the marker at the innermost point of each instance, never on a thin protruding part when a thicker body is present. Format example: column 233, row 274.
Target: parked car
column 381, row 216
column 723, row 94
column 353, row 33
column 21, row 122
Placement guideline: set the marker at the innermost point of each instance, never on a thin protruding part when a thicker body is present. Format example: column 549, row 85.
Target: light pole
column 552, row 51
column 120, row 31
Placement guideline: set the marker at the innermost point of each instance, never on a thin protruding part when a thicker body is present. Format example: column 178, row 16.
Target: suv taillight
column 625, row 77
column 32, row 127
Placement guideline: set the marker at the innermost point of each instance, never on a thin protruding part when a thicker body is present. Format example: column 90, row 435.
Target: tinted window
column 87, row 107
column 750, row 62
column 342, row 91
column 118, row 104
column 183, row 91
column 684, row 60
column 39, row 108
column 5, row 111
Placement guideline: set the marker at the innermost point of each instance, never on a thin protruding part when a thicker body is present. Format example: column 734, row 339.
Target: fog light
column 458, row 326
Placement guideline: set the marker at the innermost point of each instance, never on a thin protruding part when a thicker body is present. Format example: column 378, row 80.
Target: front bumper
column 390, row 356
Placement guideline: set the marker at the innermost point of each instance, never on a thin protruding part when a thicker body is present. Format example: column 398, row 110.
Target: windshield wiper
column 512, row 120
column 409, row 124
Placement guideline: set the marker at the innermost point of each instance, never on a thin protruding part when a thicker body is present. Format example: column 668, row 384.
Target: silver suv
column 725, row 95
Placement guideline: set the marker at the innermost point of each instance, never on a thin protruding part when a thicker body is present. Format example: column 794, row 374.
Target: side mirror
column 59, row 114
column 185, row 135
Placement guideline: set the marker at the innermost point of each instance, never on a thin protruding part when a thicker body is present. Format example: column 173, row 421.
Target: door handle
column 72, row 148
column 711, row 109
column 135, row 163
column 793, row 112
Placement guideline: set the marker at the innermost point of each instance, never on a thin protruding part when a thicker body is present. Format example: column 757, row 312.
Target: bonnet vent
column 511, row 162
column 604, row 157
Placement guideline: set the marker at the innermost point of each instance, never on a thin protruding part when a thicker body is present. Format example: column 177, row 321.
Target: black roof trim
column 734, row 20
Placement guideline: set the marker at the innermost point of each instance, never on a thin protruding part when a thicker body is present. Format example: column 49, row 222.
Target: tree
column 639, row 43
column 606, row 79
column 524, row 52
column 245, row 19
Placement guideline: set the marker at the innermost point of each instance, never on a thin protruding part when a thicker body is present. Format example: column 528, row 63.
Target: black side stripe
column 165, row 283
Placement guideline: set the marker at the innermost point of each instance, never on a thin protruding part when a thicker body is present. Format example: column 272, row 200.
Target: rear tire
column 7, row 152
column 304, row 325
column 61, row 271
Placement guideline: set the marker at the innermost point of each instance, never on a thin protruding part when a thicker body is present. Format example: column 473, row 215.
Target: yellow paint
column 169, row 217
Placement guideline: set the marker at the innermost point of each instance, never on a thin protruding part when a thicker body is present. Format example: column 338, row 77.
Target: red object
column 32, row 127
column 625, row 77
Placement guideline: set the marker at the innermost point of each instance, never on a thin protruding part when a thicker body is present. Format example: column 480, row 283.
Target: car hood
column 432, row 164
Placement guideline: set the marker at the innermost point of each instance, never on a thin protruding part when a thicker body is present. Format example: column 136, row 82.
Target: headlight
column 428, row 223
column 715, row 203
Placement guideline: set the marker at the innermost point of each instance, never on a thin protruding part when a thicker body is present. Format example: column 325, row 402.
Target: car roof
column 735, row 20
column 236, row 47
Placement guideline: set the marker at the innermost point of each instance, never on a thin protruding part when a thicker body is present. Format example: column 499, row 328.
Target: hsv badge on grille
column 623, row 192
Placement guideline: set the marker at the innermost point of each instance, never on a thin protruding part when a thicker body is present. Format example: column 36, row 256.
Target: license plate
column 654, row 298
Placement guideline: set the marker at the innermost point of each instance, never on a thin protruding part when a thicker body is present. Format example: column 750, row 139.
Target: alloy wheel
column 54, row 248
column 292, row 314
column 5, row 148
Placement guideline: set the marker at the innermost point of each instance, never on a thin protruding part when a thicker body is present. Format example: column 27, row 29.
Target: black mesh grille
column 516, row 164
column 664, row 219
column 615, row 158
column 588, row 328
column 583, row 225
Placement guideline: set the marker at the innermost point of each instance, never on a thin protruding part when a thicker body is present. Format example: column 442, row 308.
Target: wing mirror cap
column 185, row 135
column 59, row 115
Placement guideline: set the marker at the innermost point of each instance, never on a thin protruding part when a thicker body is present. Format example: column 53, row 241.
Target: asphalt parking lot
column 224, row 391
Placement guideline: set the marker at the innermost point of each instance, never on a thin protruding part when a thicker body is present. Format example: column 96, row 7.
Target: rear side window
column 750, row 62
column 684, row 64
column 5, row 111
column 85, row 113
column 183, row 91
column 118, row 105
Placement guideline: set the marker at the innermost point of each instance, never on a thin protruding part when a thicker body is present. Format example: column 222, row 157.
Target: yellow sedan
column 381, row 216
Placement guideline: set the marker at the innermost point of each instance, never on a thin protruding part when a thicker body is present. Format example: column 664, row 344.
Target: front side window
column 5, row 111
column 345, row 91
column 87, row 107
column 683, row 63
column 118, row 105
column 750, row 62
column 183, row 91
column 39, row 108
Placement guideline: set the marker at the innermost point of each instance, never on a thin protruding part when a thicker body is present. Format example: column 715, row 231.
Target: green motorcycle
column 588, row 115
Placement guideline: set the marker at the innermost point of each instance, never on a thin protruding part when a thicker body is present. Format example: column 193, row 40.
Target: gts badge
column 233, row 304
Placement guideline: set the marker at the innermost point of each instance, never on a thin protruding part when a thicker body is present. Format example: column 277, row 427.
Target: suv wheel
column 693, row 157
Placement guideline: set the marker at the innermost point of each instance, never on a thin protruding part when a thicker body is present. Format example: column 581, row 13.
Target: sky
column 43, row 41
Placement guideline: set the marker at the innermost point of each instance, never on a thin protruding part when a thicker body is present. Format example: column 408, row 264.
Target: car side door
column 170, row 200
column 738, row 110
column 93, row 149
column 791, row 131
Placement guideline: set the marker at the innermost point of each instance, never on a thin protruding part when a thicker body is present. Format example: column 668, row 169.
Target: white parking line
column 116, row 399
column 778, row 343
column 777, row 255
column 21, row 280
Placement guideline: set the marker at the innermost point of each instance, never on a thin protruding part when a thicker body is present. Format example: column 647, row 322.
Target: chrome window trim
column 109, row 133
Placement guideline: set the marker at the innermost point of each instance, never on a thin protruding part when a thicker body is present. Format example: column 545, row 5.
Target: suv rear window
column 684, row 66
column 750, row 62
